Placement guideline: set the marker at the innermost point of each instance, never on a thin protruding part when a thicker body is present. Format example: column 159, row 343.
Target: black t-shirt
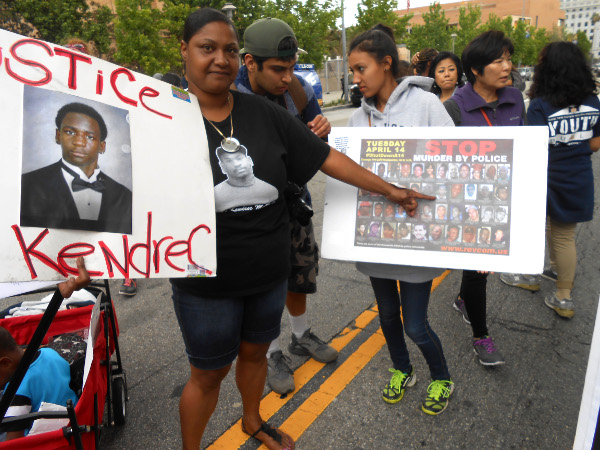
column 252, row 222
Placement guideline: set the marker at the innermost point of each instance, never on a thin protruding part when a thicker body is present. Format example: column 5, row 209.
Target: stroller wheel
column 119, row 399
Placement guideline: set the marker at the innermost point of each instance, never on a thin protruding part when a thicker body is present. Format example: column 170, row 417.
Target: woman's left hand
column 67, row 288
column 320, row 126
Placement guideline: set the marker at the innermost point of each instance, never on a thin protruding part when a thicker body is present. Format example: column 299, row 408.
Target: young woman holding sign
column 255, row 147
column 485, row 100
column 405, row 102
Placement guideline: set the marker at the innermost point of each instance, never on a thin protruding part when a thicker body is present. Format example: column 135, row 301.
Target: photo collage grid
column 472, row 208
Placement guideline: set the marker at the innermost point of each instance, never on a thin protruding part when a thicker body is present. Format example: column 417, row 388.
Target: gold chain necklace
column 229, row 144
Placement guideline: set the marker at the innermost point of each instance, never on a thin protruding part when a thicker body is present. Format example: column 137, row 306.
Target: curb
column 333, row 108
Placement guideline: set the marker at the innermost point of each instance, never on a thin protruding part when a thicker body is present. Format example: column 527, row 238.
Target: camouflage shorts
column 304, row 259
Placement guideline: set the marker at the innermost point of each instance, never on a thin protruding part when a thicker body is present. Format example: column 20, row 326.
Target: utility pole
column 344, row 57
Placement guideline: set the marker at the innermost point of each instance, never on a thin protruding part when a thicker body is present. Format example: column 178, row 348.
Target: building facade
column 538, row 13
column 578, row 17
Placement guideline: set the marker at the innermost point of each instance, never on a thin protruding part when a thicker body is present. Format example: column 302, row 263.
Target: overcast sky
column 351, row 9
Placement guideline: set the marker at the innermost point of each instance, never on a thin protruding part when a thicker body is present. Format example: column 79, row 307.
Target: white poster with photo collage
column 489, row 211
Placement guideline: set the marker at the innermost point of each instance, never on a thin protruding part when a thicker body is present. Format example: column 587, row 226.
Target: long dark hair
column 379, row 43
column 562, row 76
column 438, row 59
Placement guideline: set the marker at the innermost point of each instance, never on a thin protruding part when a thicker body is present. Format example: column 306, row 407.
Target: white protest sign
column 489, row 212
column 146, row 208
column 590, row 400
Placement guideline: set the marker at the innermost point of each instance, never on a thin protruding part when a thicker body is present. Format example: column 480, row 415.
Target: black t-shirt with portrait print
column 253, row 238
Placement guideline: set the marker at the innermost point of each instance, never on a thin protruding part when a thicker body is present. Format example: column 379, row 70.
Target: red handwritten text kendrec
column 167, row 247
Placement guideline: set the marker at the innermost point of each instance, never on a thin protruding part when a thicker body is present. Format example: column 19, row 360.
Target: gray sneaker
column 564, row 308
column 309, row 344
column 486, row 352
column 279, row 374
column 529, row 282
column 459, row 305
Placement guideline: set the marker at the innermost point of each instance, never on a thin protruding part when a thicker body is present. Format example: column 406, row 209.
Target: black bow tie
column 79, row 185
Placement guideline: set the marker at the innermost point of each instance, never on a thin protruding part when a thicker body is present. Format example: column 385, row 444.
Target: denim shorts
column 212, row 328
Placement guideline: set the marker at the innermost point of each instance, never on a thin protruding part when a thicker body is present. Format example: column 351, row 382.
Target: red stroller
column 105, row 384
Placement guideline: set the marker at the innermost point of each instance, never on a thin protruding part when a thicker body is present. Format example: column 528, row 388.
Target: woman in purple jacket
column 485, row 100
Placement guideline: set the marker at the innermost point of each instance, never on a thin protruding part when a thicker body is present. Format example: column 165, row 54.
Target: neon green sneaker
column 394, row 391
column 438, row 393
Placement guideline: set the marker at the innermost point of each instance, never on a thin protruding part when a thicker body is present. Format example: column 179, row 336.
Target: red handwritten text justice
column 74, row 58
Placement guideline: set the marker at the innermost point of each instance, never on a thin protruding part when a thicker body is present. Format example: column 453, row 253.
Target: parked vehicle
column 526, row 72
column 309, row 74
column 355, row 95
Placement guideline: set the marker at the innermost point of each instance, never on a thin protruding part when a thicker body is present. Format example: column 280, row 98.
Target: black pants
column 473, row 293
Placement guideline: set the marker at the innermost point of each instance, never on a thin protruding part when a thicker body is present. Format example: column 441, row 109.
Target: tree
column 496, row 23
column 469, row 22
column 373, row 12
column 520, row 43
column 583, row 43
column 141, row 43
column 176, row 11
column 540, row 38
column 435, row 33
column 312, row 35
column 12, row 20
column 58, row 20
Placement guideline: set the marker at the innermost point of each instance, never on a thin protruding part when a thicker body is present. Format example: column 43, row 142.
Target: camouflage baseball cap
column 263, row 37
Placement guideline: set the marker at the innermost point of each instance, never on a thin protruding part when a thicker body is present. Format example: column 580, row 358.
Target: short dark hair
column 287, row 43
column 7, row 342
column 81, row 108
column 562, row 76
column 483, row 50
column 202, row 17
column 379, row 43
column 438, row 59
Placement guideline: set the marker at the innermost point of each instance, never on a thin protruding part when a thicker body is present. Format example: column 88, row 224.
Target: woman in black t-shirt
column 255, row 148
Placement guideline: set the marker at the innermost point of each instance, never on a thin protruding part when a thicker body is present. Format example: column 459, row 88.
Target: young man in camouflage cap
column 269, row 54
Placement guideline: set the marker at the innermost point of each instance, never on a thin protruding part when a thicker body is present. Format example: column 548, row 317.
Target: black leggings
column 473, row 293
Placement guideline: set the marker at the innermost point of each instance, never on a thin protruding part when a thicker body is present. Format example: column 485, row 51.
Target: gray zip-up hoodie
column 410, row 105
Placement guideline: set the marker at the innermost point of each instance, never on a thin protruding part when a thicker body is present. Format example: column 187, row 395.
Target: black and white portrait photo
column 241, row 188
column 76, row 169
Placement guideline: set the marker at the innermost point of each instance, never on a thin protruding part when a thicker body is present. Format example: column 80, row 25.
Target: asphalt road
column 531, row 402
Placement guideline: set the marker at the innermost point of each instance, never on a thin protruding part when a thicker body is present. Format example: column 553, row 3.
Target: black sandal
column 267, row 429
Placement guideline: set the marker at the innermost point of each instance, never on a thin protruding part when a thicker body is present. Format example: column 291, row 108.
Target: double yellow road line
column 317, row 402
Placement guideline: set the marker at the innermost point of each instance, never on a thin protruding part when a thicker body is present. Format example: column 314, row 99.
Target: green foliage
column 583, row 43
column 521, row 43
column 373, row 12
column 540, row 38
column 313, row 33
column 496, row 23
column 435, row 33
column 58, row 20
column 141, row 44
column 12, row 20
column 469, row 21
column 176, row 11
